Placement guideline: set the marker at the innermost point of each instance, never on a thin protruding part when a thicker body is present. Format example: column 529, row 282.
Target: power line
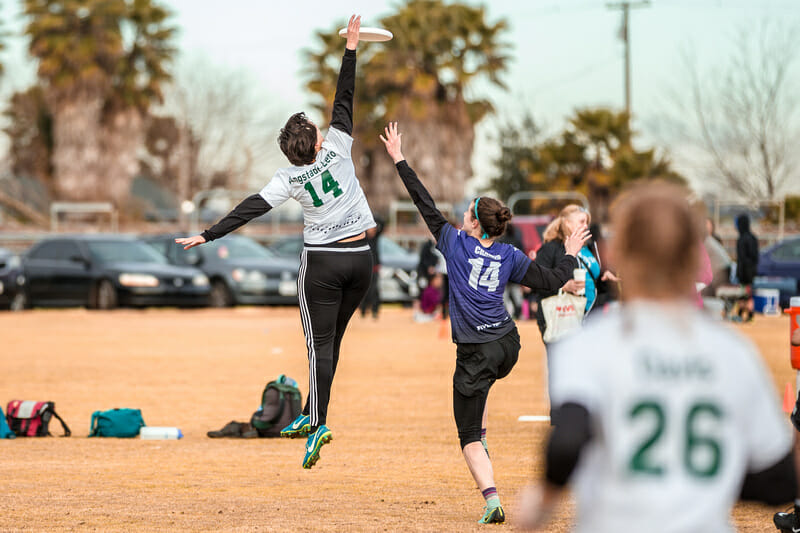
column 575, row 75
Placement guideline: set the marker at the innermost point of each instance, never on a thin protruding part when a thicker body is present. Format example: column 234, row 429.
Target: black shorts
column 478, row 366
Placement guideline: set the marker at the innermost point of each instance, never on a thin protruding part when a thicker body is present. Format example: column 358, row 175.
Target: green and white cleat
column 315, row 441
column 301, row 427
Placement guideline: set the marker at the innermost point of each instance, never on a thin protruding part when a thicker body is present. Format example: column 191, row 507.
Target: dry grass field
column 394, row 463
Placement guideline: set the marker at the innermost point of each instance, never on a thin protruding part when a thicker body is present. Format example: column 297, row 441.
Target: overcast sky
column 567, row 53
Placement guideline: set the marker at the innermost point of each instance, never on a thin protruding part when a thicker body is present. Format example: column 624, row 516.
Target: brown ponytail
column 492, row 216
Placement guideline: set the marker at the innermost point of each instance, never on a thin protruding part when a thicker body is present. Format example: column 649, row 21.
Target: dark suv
column 104, row 271
column 240, row 270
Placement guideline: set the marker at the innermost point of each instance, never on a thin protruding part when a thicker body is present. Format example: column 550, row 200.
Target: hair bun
column 504, row 215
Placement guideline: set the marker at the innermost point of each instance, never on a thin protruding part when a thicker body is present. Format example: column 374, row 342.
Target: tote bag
column 563, row 313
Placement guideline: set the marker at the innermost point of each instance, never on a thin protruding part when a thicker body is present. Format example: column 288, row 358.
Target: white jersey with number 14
column 334, row 205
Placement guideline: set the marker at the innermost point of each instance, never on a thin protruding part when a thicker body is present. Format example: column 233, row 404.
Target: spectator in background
column 513, row 294
column 712, row 231
column 428, row 259
column 746, row 262
column 430, row 300
column 551, row 253
column 372, row 299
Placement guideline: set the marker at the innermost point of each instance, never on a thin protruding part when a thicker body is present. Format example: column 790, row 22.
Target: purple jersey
column 477, row 277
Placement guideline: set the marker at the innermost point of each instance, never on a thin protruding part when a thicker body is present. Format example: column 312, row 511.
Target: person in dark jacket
column 372, row 300
column 426, row 268
column 513, row 294
column 746, row 261
column 551, row 252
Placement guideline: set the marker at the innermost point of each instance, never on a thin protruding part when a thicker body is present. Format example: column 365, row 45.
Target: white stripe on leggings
column 305, row 317
column 324, row 249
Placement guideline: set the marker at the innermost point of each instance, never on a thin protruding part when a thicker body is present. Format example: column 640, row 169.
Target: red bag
column 30, row 419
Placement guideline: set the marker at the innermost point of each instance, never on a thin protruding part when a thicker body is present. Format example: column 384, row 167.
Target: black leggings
column 478, row 366
column 332, row 281
column 372, row 300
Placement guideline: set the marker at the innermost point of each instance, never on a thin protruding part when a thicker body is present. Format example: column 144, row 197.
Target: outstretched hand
column 191, row 242
column 353, row 27
column 392, row 141
column 575, row 242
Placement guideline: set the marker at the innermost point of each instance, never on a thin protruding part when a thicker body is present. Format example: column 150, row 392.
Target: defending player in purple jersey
column 487, row 341
column 478, row 277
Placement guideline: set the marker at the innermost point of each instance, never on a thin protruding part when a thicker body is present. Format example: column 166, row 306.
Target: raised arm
column 419, row 194
column 251, row 207
column 342, row 114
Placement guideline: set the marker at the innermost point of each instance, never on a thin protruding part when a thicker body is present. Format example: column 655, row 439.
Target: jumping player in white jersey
column 666, row 417
column 336, row 263
column 487, row 341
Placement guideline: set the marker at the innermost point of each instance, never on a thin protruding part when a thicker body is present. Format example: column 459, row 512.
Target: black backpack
column 281, row 403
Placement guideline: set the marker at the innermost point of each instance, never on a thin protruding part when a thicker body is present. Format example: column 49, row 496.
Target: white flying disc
column 370, row 34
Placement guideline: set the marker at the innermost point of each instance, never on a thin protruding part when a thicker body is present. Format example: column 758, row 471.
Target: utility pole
column 625, row 6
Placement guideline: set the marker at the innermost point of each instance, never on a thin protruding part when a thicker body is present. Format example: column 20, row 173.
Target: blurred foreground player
column 666, row 417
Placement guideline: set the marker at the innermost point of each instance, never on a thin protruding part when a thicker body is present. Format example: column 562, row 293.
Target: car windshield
column 288, row 247
column 237, row 248
column 124, row 251
column 389, row 247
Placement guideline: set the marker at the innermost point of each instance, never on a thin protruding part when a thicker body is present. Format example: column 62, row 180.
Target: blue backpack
column 122, row 423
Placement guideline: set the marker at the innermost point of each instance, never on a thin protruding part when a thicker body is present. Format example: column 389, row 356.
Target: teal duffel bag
column 5, row 431
column 123, row 423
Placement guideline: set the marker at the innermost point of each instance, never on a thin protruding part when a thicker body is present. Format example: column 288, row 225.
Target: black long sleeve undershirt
column 573, row 432
column 251, row 207
column 342, row 114
column 433, row 218
column 773, row 486
column 536, row 277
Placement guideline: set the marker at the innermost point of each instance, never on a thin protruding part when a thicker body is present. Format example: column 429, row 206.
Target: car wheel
column 105, row 295
column 19, row 302
column 220, row 295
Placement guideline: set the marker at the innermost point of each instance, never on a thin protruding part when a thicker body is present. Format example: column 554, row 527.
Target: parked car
column 11, row 280
column 782, row 260
column 240, row 270
column 106, row 271
column 398, row 274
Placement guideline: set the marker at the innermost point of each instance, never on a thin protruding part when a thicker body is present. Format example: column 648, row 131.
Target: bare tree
column 227, row 128
column 744, row 111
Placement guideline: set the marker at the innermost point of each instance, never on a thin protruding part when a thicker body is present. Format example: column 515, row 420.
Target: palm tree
column 593, row 155
column 420, row 78
column 136, row 84
column 101, row 63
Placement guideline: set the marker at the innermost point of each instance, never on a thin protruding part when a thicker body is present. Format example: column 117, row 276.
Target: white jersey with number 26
column 682, row 408
column 334, row 205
